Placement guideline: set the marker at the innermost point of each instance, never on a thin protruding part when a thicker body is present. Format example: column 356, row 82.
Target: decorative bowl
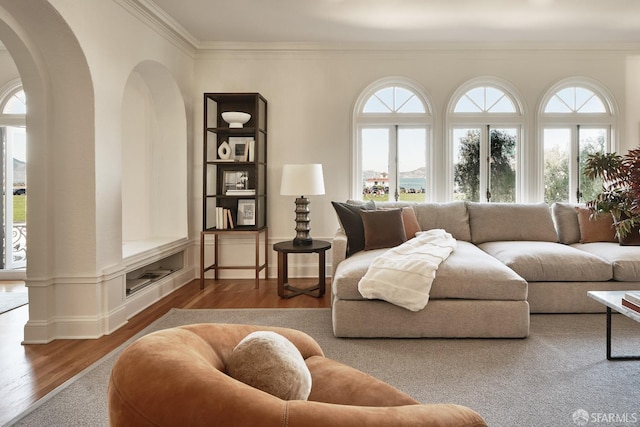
column 236, row 119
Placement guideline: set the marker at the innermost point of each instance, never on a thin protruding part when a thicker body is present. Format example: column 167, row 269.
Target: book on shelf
column 633, row 296
column 229, row 218
column 246, row 150
column 219, row 217
column 224, row 219
column 249, row 150
column 631, row 305
column 247, row 192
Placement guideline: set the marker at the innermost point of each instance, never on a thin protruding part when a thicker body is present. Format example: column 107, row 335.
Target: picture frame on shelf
column 246, row 212
column 235, row 180
column 241, row 148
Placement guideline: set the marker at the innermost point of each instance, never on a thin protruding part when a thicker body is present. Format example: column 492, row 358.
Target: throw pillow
column 565, row 219
column 410, row 221
column 270, row 362
column 351, row 223
column 597, row 230
column 383, row 228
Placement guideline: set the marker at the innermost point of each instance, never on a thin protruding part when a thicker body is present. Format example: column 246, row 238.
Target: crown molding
column 425, row 47
column 159, row 21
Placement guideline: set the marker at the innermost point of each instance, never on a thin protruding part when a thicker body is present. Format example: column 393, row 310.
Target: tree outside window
column 502, row 167
column 485, row 154
column 576, row 123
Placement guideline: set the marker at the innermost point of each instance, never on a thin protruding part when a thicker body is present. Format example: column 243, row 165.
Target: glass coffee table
column 613, row 301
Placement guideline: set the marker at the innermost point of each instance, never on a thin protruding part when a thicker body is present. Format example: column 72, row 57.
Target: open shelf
column 147, row 275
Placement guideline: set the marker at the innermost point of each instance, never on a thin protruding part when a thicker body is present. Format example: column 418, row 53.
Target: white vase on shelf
column 224, row 151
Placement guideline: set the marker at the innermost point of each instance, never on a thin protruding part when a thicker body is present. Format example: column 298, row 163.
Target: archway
column 60, row 123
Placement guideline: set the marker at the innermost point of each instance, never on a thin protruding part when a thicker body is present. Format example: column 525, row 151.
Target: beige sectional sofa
column 511, row 260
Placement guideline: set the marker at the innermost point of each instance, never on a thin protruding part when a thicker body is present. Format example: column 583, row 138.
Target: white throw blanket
column 403, row 275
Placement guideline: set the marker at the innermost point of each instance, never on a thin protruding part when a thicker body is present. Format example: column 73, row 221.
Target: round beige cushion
column 271, row 363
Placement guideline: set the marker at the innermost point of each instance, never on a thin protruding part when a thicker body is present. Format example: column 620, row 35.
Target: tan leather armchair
column 176, row 377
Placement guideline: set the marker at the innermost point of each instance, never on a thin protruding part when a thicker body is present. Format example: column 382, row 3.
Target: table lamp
column 302, row 180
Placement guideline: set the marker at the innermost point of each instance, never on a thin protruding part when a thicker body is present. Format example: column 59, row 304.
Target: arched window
column 15, row 103
column 485, row 99
column 394, row 99
column 392, row 124
column 13, row 156
column 485, row 126
column 576, row 120
column 575, row 100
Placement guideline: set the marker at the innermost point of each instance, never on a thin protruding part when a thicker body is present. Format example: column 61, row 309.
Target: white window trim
column 6, row 92
column 455, row 120
column 363, row 120
column 570, row 120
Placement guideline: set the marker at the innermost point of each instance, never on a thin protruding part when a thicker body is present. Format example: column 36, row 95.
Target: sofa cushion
column 468, row 273
column 451, row 217
column 494, row 222
column 345, row 280
column 351, row 222
column 598, row 229
column 548, row 262
column 382, row 228
column 565, row 219
column 625, row 260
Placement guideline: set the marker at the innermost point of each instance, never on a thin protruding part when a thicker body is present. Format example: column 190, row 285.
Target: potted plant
column 620, row 194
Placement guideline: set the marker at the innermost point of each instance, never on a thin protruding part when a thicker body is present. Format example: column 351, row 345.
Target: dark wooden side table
column 285, row 290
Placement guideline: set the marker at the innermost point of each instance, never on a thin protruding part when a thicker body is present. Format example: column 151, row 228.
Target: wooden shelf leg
column 266, row 253
column 215, row 256
column 257, row 269
column 202, row 261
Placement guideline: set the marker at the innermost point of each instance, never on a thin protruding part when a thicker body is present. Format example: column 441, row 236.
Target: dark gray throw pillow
column 351, row 223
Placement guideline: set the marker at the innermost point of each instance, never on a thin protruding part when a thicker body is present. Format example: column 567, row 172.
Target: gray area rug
column 548, row 379
column 11, row 300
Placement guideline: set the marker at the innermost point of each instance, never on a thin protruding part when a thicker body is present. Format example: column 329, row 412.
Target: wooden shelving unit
column 234, row 199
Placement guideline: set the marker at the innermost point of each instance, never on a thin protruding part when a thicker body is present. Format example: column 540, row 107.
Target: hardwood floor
column 31, row 371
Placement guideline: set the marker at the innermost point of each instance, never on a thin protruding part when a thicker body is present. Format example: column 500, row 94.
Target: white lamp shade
column 302, row 180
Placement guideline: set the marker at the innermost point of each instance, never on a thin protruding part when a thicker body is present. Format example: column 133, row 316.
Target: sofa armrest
column 338, row 249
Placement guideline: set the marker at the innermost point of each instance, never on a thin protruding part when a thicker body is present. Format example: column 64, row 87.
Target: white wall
column 632, row 105
column 8, row 70
column 74, row 59
column 115, row 42
column 311, row 94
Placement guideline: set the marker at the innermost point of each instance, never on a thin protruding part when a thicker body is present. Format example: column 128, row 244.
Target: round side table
column 285, row 290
